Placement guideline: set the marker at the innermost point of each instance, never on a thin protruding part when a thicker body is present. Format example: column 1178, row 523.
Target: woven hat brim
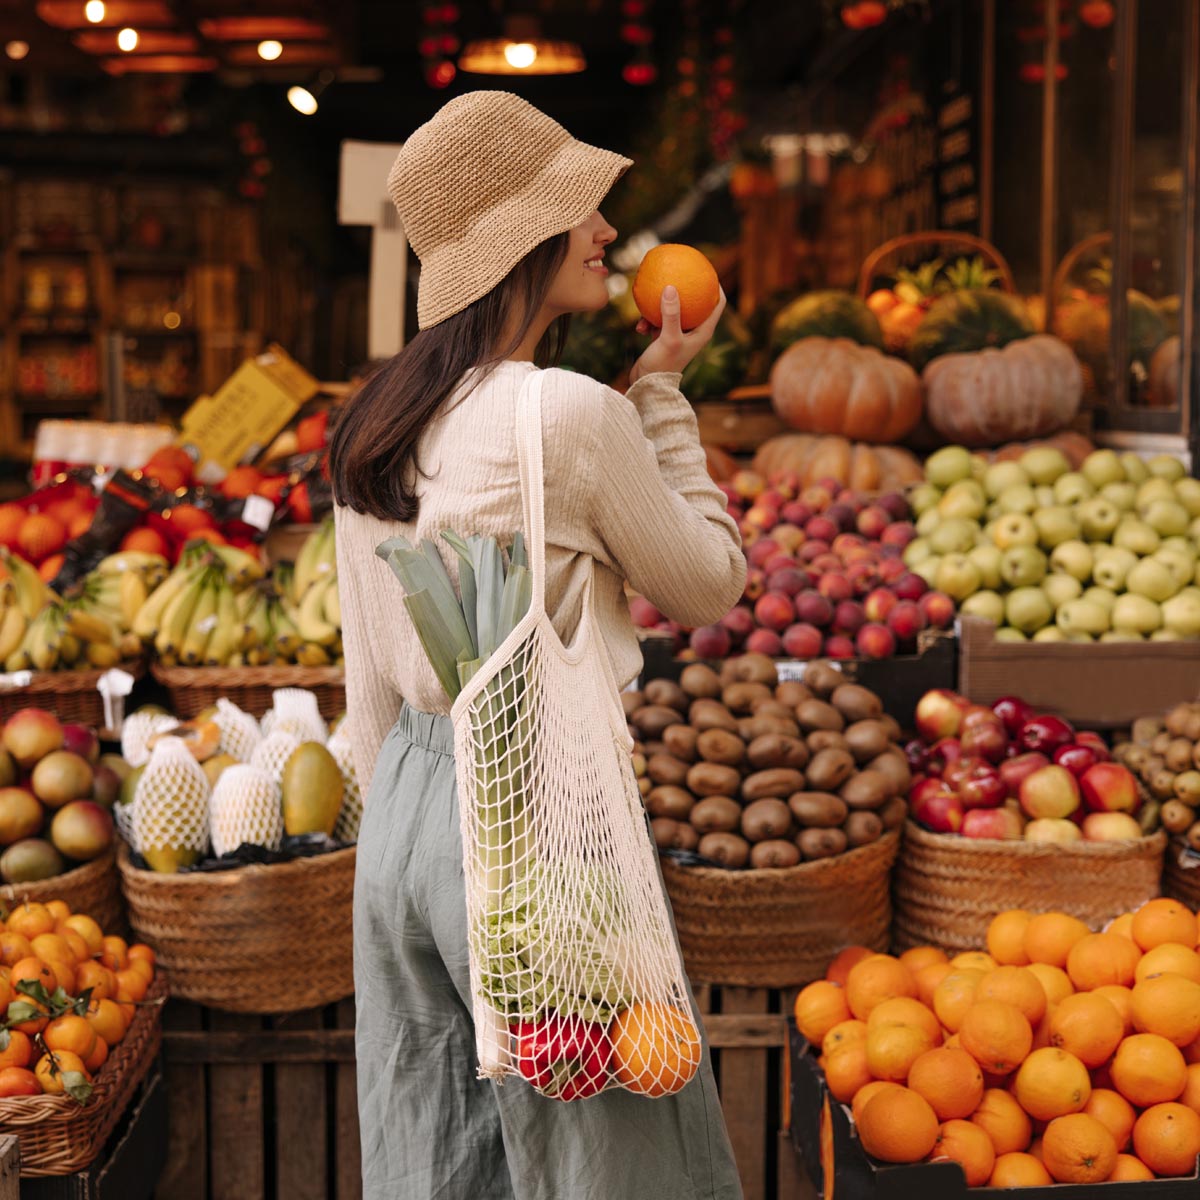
column 563, row 194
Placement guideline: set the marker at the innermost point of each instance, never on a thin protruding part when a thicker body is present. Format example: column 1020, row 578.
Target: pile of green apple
column 1105, row 553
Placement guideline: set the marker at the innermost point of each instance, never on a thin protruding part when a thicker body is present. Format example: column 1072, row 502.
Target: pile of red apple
column 824, row 577
column 1008, row 773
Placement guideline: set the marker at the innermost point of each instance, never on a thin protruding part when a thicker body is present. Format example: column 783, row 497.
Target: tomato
column 310, row 433
column 565, row 1058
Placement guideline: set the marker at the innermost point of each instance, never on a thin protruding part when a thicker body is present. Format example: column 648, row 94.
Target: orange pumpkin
column 1028, row 389
column 1075, row 448
column 852, row 464
column 834, row 385
column 720, row 464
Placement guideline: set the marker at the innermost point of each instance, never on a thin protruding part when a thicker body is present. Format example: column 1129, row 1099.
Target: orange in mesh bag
column 577, row 979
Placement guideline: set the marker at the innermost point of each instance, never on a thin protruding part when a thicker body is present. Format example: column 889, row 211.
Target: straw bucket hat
column 481, row 184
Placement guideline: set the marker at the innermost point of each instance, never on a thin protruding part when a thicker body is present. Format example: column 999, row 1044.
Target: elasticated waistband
column 428, row 730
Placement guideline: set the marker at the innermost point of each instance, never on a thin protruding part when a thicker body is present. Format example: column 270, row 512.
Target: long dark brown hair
column 373, row 450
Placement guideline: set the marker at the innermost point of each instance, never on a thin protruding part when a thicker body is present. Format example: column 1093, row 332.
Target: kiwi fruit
column 654, row 718
column 1176, row 720
column 713, row 779
column 818, row 809
column 792, row 692
column 681, row 741
column 666, row 769
column 867, row 739
column 863, row 828
column 777, row 750
column 821, row 843
column 1187, row 787
column 825, row 739
column 725, row 848
column 1178, row 754
column 668, row 801
column 778, row 781
column 1145, row 730
column 772, row 708
column 1176, row 816
column 667, row 693
column 817, row 714
column 716, row 814
column 867, row 789
column 1161, row 742
column 751, row 727
column 894, row 732
column 665, row 831
column 631, row 702
column 766, row 819
column 1193, row 836
column 711, row 714
column 829, row 769
column 894, row 767
column 721, row 746
column 856, row 703
column 774, row 854
column 749, row 668
column 740, row 697
column 822, row 678
column 894, row 813
column 700, row 681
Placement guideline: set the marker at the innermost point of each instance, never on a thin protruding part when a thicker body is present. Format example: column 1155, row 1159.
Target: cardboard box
column 1097, row 685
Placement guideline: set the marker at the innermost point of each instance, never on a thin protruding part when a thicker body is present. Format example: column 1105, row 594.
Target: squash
column 719, row 463
column 963, row 321
column 832, row 385
column 825, row 314
column 813, row 457
column 1029, row 389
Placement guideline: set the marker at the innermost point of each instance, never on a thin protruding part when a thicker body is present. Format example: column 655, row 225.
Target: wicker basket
column 70, row 695
column 258, row 939
column 948, row 888
column 94, row 889
column 1181, row 882
column 60, row 1136
column 880, row 260
column 780, row 928
column 194, row 689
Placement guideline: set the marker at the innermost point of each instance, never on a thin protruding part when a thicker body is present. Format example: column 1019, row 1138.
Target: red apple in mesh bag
column 1109, row 787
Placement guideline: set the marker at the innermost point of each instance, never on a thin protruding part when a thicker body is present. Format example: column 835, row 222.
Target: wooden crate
column 264, row 1108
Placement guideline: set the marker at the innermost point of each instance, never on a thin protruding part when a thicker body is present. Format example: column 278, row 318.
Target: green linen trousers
column 432, row 1130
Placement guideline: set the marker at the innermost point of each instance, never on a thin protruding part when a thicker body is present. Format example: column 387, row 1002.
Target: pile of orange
column 1056, row 1055
column 47, row 1044
column 40, row 532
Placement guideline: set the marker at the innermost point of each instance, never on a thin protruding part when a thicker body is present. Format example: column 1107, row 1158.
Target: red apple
column 839, row 646
column 936, row 808
column 1046, row 733
column 802, row 641
column 939, row 714
column 1053, row 831
column 994, row 824
column 761, row 551
column 879, row 603
column 899, row 534
column 813, row 609
column 906, row 620
column 1095, row 743
column 834, row 587
column 1109, row 787
column 910, row 586
column 986, row 739
column 873, row 521
column 984, row 789
column 711, row 641
column 1110, row 827
column 1049, row 792
column 789, row 580
column 875, row 641
column 1014, row 771
column 820, row 529
column 938, row 608
column 1013, row 712
column 774, row 610
column 943, row 753
column 848, row 617
column 1076, row 758
column 764, row 641
column 917, row 754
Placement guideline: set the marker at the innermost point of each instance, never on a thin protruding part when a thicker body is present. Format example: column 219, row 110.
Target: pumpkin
column 963, row 321
column 832, row 385
column 813, row 457
column 1083, row 323
column 719, row 463
column 1030, row 388
column 825, row 314
column 1074, row 446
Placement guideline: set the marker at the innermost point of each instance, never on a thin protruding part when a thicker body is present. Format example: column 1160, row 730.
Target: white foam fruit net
column 245, row 807
column 240, row 733
column 170, row 805
column 577, row 978
column 350, row 814
column 273, row 752
column 136, row 731
column 295, row 710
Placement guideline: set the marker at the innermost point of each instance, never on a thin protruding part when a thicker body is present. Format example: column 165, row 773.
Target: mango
column 312, row 789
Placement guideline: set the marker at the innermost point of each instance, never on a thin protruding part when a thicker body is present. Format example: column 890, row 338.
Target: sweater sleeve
column 653, row 506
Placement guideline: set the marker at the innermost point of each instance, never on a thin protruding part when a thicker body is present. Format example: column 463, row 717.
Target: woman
column 501, row 206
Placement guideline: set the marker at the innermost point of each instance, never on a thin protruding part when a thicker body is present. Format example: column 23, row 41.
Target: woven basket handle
column 935, row 237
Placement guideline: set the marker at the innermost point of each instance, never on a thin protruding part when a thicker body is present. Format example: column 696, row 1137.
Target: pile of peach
column 1058, row 1055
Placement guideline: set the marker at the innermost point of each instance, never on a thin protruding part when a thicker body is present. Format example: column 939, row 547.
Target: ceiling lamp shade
column 522, row 51
column 117, row 14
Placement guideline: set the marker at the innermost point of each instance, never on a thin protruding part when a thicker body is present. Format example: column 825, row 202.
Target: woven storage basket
column 194, row 689
column 948, row 888
column 258, row 939
column 94, row 889
column 70, row 695
column 780, row 928
column 1181, row 882
column 60, row 1136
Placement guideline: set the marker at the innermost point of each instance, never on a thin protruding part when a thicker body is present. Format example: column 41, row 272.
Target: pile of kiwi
column 751, row 772
column 1164, row 753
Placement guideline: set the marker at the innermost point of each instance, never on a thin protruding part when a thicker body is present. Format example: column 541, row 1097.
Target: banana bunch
column 315, row 560
column 77, row 634
column 277, row 631
column 23, row 595
column 122, row 583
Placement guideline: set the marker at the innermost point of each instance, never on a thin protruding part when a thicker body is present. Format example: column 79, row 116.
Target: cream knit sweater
column 625, row 485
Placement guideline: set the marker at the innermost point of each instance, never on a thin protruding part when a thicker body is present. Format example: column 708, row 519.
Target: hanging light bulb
column 520, row 55
column 16, row 49
column 270, row 50
column 302, row 100
column 94, row 10
column 127, row 40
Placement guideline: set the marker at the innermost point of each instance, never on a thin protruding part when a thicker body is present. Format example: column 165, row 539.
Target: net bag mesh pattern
column 245, row 807
column 170, row 804
column 136, row 731
column 273, row 752
column 350, row 814
column 577, row 980
column 240, row 733
column 295, row 711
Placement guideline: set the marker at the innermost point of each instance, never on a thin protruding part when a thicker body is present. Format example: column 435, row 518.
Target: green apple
column 1055, row 525
column 1082, row 616
column 948, row 465
column 927, row 522
column 987, row 558
column 1122, row 495
column 916, row 551
column 1187, row 492
column 1044, row 495
column 1003, row 475
column 1098, row 519
column 1101, row 467
column 1121, row 635
column 1154, row 489
column 979, row 466
column 963, row 499
column 927, row 568
column 1112, row 565
column 1022, row 566
column 1101, row 595
column 1181, row 615
column 1194, row 531
column 1168, row 518
column 1181, row 563
column 1019, row 498
column 1006, row 633
column 957, row 576
column 1135, row 469
column 1061, row 589
column 1166, row 466
column 1136, row 614
column 1071, row 488
column 1044, row 464
column 1014, row 529
column 1179, row 543
column 1049, row 633
column 1152, row 579
column 924, row 497
column 1137, row 536
column 1072, row 558
column 1167, row 635
column 1028, row 609
column 953, row 536
column 988, row 605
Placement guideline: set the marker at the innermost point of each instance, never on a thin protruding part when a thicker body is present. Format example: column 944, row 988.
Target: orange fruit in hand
column 892, row 1050
column 689, row 272
column 70, row 1033
column 1017, row 1169
column 1003, row 1120
column 1168, row 1005
column 1050, row 936
column 1130, row 1170
column 1171, row 958
column 819, row 1007
column 1163, row 920
column 903, row 1010
column 842, row 1033
column 17, row 1081
column 953, row 997
column 106, row 1018
column 846, row 1070
column 950, row 1079
column 996, row 1035
column 898, row 1126
column 52, row 1067
column 1017, row 986
column 874, row 980
column 1147, row 1069
column 656, row 1048
column 1114, row 1112
column 1167, row 1139
column 844, row 959
column 1087, row 1026
column 19, row 1050
column 1121, row 998
column 967, row 1145
column 1078, row 1149
column 1006, row 937
column 1102, row 958
column 1052, row 1083
column 865, row 1093
column 1055, row 982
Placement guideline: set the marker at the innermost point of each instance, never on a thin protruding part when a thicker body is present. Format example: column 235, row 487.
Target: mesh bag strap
column 531, row 468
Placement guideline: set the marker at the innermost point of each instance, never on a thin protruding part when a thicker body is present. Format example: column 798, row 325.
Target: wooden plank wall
column 264, row 1108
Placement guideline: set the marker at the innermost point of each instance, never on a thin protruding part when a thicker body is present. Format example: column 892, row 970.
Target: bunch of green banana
column 131, row 575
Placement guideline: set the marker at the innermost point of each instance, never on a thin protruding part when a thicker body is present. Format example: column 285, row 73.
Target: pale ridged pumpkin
column 855, row 465
column 1029, row 389
column 832, row 385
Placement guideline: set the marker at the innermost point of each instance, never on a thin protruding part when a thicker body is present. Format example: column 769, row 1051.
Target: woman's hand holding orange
column 671, row 349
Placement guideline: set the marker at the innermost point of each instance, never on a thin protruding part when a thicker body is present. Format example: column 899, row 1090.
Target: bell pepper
column 564, row 1058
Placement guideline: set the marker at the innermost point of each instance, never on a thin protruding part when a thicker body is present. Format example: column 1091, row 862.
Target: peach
column 938, row 609
column 842, row 515
column 835, row 586
column 873, row 521
column 906, row 620
column 739, row 622
column 826, row 562
column 839, row 646
column 821, row 529
column 910, row 586
column 899, row 534
column 756, row 583
column 31, row 734
column 710, row 641
column 774, row 610
column 848, row 617
column 891, row 571
column 895, row 505
column 879, row 603
column 788, row 537
column 796, row 513
column 748, row 484
column 764, row 641
column 643, row 614
column 802, row 641
column 778, row 562
column 875, row 641
column 813, row 608
column 762, row 550
column 790, row 580
column 845, row 542
column 813, row 549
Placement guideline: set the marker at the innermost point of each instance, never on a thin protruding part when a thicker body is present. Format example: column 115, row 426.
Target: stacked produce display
column 1164, row 752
